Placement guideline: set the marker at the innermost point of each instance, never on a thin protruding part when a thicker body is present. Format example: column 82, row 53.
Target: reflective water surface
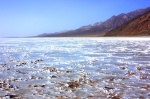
column 75, row 68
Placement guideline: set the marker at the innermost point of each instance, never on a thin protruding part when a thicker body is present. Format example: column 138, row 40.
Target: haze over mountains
column 131, row 24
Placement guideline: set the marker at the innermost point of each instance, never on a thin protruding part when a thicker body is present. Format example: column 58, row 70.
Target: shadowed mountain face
column 100, row 28
column 137, row 27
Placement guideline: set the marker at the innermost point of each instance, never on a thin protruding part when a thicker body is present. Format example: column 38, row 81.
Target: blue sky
column 32, row 17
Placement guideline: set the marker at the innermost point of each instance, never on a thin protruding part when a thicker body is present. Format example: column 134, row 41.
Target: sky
column 21, row 18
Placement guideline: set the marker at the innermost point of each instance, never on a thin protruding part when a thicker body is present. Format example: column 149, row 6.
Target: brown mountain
column 99, row 28
column 140, row 26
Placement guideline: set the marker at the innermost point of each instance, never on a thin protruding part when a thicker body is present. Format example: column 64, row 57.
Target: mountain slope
column 99, row 28
column 137, row 27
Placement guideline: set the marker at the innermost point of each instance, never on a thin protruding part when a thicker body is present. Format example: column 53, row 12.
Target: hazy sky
column 33, row 17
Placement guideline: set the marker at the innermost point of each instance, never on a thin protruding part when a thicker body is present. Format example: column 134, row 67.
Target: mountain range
column 121, row 25
column 140, row 26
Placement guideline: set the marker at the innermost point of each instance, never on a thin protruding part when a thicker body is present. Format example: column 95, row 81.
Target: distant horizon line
column 70, row 29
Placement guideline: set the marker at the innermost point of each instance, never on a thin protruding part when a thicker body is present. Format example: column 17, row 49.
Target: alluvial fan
column 74, row 68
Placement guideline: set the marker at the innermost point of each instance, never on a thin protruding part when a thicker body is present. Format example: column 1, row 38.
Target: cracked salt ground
column 75, row 68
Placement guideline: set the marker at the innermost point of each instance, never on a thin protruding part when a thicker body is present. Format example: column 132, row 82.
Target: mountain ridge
column 139, row 26
column 100, row 28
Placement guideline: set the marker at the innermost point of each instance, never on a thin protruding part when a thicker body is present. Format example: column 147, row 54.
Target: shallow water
column 64, row 68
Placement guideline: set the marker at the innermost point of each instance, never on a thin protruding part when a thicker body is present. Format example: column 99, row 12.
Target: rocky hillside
column 137, row 27
column 100, row 28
